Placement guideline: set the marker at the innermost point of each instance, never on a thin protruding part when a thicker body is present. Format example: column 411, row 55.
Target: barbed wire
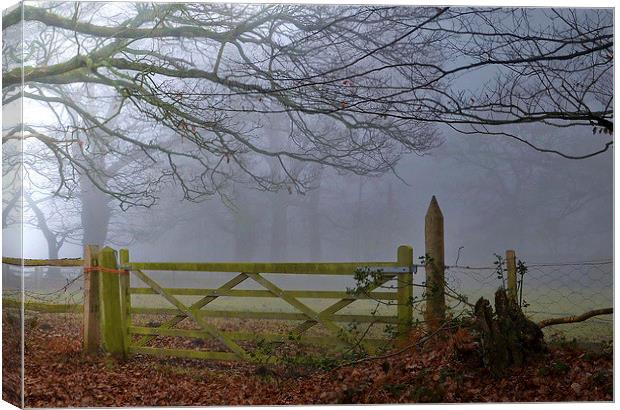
column 61, row 286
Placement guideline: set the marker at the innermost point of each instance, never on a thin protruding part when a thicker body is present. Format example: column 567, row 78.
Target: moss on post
column 405, row 291
column 113, row 338
column 92, row 306
column 125, row 296
column 511, row 267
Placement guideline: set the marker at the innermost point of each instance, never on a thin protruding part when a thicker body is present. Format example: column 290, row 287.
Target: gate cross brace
column 314, row 316
column 341, row 304
column 195, row 306
column 234, row 347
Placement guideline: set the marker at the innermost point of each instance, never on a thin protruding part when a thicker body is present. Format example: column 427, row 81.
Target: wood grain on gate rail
column 322, row 268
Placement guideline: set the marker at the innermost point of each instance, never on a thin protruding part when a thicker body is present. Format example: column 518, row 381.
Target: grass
column 547, row 302
column 544, row 302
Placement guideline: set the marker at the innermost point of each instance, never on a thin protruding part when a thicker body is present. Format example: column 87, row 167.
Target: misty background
column 124, row 165
column 494, row 194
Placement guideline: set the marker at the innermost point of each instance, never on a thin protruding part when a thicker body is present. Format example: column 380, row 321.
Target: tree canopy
column 132, row 96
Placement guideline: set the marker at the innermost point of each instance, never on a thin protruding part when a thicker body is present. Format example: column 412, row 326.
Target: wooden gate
column 121, row 337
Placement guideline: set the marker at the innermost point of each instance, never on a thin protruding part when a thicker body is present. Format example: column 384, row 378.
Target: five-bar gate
column 108, row 303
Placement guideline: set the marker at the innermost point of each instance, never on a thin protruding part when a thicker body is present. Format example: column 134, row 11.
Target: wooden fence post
column 92, row 306
column 405, row 291
column 434, row 266
column 125, row 296
column 113, row 338
column 511, row 267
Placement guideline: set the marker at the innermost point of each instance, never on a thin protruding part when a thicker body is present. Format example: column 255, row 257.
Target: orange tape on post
column 108, row 270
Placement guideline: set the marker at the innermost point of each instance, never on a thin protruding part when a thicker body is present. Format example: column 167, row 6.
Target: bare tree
column 545, row 66
column 358, row 87
column 204, row 80
column 504, row 182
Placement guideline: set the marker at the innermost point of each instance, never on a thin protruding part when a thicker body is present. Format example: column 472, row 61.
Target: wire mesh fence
column 549, row 290
column 43, row 285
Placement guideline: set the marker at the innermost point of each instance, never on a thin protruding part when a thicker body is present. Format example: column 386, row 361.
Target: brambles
column 521, row 271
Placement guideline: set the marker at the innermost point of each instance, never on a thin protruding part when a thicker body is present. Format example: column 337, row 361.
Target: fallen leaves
column 11, row 357
column 443, row 370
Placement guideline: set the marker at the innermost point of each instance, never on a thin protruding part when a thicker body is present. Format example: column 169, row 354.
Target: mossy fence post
column 405, row 291
column 92, row 306
column 125, row 295
column 511, row 268
column 113, row 323
column 434, row 266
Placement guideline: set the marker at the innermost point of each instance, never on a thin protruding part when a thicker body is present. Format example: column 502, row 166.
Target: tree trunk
column 9, row 207
column 244, row 229
column 244, row 246
column 508, row 338
column 314, row 225
column 359, row 223
column 51, row 237
column 95, row 213
column 279, row 226
column 53, row 252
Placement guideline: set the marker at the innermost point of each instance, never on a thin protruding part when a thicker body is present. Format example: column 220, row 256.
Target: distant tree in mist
column 125, row 99
column 527, row 197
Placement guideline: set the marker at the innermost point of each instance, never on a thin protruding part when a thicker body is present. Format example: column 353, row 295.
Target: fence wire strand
column 550, row 289
column 61, row 286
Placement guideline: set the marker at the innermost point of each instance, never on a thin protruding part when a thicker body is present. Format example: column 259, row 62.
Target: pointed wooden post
column 434, row 266
column 125, row 296
column 405, row 291
column 511, row 268
column 92, row 306
column 113, row 339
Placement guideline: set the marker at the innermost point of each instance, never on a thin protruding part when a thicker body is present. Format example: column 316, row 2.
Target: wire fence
column 549, row 290
column 48, row 285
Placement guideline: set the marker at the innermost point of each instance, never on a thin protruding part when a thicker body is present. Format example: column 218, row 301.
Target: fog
column 547, row 209
column 532, row 205
column 495, row 192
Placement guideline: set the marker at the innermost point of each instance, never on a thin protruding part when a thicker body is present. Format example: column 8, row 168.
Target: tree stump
column 507, row 337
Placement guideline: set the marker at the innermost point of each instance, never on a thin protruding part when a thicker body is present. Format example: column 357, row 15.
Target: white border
column 504, row 3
